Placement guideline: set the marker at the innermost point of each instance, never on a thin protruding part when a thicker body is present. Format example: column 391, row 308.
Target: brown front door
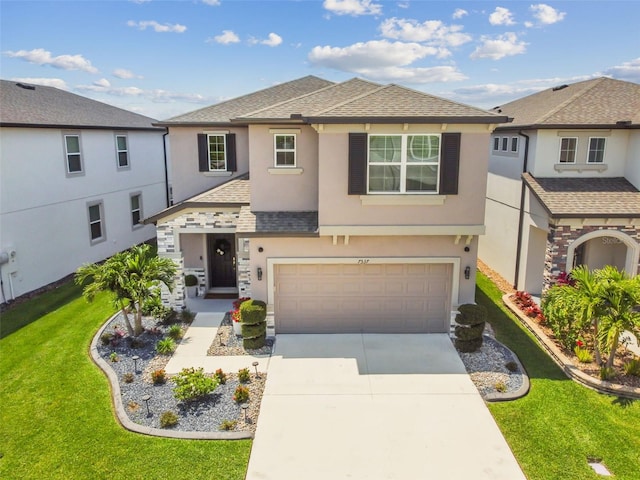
column 222, row 260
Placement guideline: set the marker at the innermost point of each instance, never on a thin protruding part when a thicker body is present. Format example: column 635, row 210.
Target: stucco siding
column 632, row 171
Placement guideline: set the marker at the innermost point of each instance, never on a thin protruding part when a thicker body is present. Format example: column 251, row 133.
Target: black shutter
column 230, row 140
column 203, row 153
column 357, row 164
column 449, row 163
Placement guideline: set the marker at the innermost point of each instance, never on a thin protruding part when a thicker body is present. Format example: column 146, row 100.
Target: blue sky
column 163, row 58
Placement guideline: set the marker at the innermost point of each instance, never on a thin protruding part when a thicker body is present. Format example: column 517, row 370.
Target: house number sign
column 363, row 261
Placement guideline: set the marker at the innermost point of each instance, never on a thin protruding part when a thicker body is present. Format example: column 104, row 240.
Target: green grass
column 56, row 417
column 560, row 423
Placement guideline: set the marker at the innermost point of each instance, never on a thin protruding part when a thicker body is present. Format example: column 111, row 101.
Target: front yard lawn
column 56, row 417
column 560, row 423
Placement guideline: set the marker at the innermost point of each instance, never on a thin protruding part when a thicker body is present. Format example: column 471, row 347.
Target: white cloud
column 501, row 16
column 412, row 75
column 431, row 31
column 103, row 82
column 125, row 74
column 226, row 37
column 459, row 13
column 40, row 56
column 546, row 15
column 369, row 55
column 403, row 5
column 352, row 7
column 154, row 95
column 499, row 47
column 157, row 27
column 629, row 71
column 213, row 3
column 47, row 82
column 273, row 41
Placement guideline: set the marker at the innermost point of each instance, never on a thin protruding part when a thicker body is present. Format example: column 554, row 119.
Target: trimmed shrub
column 464, row 332
column 250, row 331
column 190, row 281
column 192, row 384
column 511, row 366
column 243, row 375
column 468, row 346
column 253, row 312
column 254, row 343
column 254, row 326
column 165, row 346
column 471, row 314
column 241, row 395
column 168, row 419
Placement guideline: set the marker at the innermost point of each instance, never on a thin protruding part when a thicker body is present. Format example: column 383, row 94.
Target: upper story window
column 596, row 150
column 285, row 150
column 136, row 209
column 514, row 144
column 72, row 154
column 96, row 222
column 217, row 153
column 403, row 163
column 505, row 144
column 122, row 151
column 568, row 148
column 496, row 143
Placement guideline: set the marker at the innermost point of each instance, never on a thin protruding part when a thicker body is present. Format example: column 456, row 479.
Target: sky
column 163, row 58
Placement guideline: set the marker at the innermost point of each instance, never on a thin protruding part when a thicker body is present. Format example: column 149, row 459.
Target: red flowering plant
column 527, row 305
column 582, row 353
column 564, row 278
column 235, row 314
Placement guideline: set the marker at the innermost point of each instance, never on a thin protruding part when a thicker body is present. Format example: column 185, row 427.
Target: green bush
column 464, row 332
column 158, row 377
column 243, row 375
column 220, row 376
column 168, row 419
column 560, row 314
column 632, row 367
column 607, row 373
column 511, row 366
column 253, row 312
column 468, row 346
column 192, row 384
column 228, row 425
column 241, row 395
column 113, row 357
column 251, row 331
column 583, row 355
column 166, row 346
column 175, row 332
column 471, row 314
column 190, row 281
column 254, row 343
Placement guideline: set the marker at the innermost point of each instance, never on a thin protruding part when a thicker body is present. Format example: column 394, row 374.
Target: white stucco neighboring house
column 76, row 178
column 563, row 186
column 347, row 207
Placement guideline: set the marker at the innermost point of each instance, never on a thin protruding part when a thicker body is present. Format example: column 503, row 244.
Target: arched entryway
column 604, row 247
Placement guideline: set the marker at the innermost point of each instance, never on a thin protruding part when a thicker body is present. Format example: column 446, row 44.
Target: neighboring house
column 361, row 214
column 563, row 183
column 77, row 176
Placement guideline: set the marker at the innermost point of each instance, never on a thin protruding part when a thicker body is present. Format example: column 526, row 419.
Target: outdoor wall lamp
column 259, row 273
column 467, row 273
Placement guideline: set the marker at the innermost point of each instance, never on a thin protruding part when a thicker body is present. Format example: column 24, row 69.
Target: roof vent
column 623, row 123
column 559, row 87
column 25, row 86
column 296, row 116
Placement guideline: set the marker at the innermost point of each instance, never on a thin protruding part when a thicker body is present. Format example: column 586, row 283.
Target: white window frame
column 125, row 151
column 403, row 163
column 504, row 144
column 496, row 144
column 132, row 195
column 67, row 153
column 515, row 142
column 604, row 144
column 277, row 150
column 224, row 145
column 101, row 221
column 575, row 151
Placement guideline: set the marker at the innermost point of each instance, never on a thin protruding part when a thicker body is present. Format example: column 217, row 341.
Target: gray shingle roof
column 601, row 101
column 49, row 106
column 277, row 223
column 225, row 111
column 586, row 197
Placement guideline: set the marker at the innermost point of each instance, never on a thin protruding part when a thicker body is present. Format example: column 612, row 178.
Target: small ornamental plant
column 235, row 316
column 128, row 377
column 241, row 395
column 113, row 357
column 168, row 419
column 228, row 425
column 582, row 354
column 166, row 346
column 220, row 376
column 193, row 384
column 632, row 367
column 175, row 332
column 243, row 375
column 158, row 377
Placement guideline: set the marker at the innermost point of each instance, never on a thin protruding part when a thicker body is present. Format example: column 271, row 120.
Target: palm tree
column 109, row 276
column 132, row 277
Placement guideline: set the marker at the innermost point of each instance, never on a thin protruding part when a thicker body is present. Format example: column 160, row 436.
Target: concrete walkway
column 374, row 407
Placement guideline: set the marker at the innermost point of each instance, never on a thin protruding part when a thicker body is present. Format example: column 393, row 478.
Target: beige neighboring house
column 563, row 183
column 362, row 211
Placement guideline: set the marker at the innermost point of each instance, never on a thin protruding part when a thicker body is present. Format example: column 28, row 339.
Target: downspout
column 523, row 191
column 166, row 167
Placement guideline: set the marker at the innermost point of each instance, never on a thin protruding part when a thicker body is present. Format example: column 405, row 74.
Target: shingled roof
column 40, row 106
column 598, row 102
column 586, row 197
column 222, row 113
column 277, row 223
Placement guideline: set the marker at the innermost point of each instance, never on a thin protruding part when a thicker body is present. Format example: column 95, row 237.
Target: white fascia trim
column 400, row 230
column 402, row 199
column 272, row 262
column 284, row 131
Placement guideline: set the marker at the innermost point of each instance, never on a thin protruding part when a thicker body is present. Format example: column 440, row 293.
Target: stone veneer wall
column 166, row 232
column 561, row 236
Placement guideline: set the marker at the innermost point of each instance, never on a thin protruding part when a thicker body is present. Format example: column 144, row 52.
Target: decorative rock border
column 565, row 363
column 508, row 396
column 122, row 416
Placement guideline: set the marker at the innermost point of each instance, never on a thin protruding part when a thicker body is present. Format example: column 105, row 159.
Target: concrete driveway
column 374, row 407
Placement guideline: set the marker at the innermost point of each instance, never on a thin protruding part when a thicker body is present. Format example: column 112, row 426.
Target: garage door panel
column 378, row 298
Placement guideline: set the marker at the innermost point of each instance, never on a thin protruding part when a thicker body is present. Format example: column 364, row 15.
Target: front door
column 221, row 249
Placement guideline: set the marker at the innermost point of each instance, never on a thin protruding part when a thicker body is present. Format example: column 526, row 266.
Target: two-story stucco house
column 563, row 183
column 361, row 213
column 77, row 177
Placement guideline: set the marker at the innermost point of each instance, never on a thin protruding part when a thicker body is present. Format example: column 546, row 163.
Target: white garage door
column 372, row 298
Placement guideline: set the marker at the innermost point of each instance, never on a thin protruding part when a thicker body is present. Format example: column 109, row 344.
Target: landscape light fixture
column 135, row 359
column 146, row 399
column 255, row 365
